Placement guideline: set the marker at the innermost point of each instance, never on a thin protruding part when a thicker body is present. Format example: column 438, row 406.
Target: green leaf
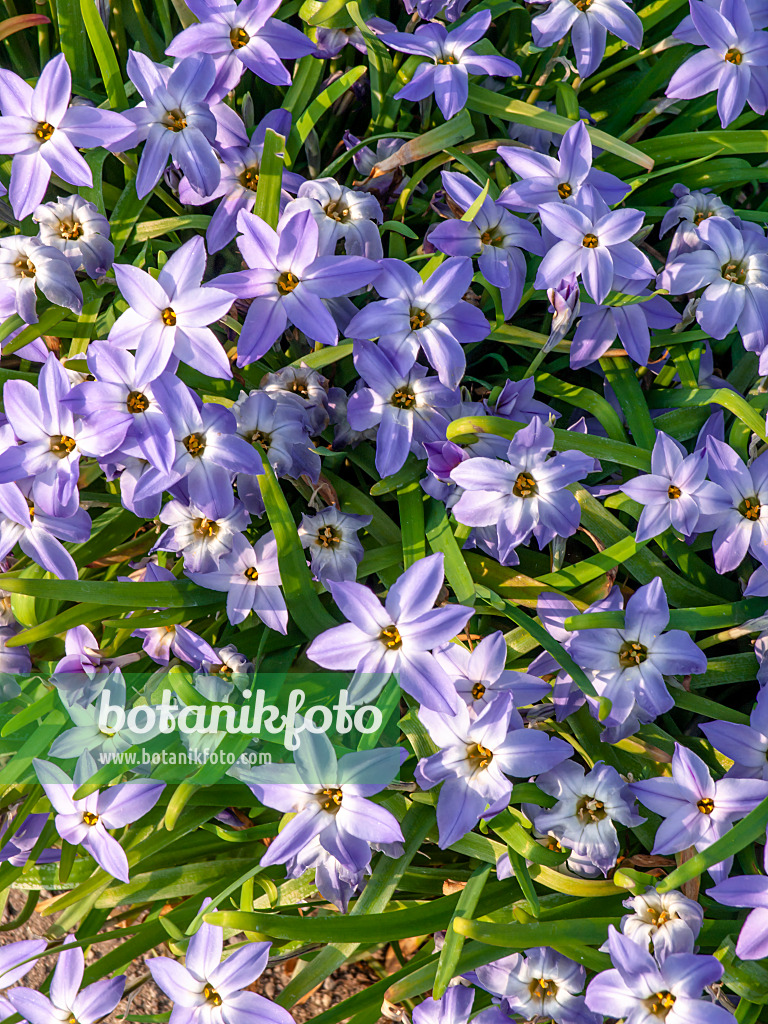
column 105, row 55
column 380, row 68
column 319, row 106
column 565, row 440
column 441, row 538
column 270, row 178
column 454, row 942
column 410, row 501
column 716, row 616
column 486, row 102
column 540, row 933
column 73, row 40
column 668, row 398
column 155, row 228
column 621, row 376
column 119, row 595
column 300, row 596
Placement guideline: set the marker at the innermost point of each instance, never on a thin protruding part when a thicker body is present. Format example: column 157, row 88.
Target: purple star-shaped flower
column 250, row 577
column 735, row 62
column 452, row 61
column 329, row 800
column 594, row 244
column 174, row 120
column 169, row 315
column 676, row 492
column 743, row 526
column 588, row 26
column 631, row 322
column 65, row 1000
column 480, row 677
column 525, row 494
column 431, row 315
column 477, row 757
column 26, row 264
column 44, row 133
column 645, row 992
column 208, row 450
column 334, row 548
column 696, row 809
column 745, row 745
column 542, row 983
column 493, row 233
column 119, row 409
column 548, row 179
column 241, row 36
column 288, row 279
column 406, row 407
column 84, row 822
column 732, row 269
column 587, row 806
column 629, row 664
column 398, row 637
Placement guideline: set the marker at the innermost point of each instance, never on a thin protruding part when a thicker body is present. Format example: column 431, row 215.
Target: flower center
column 478, row 691
column 212, row 996
column 632, row 653
column 706, row 805
column 542, row 988
column 90, row 818
column 589, row 810
column 702, row 215
column 286, row 283
column 330, row 799
column 659, row 917
column 25, row 267
column 734, row 272
column 479, row 755
column 327, row 537
column 251, row 573
column 195, row 445
column 734, row 56
column 62, row 445
column 44, row 131
column 403, row 398
column 446, row 59
column 673, row 492
column 175, row 121
column 206, row 527
column 589, row 241
column 70, row 231
column 337, row 211
column 299, row 387
column 168, row 316
column 660, row 1004
column 390, row 637
column 525, row 486
column 31, row 507
column 750, row 509
column 262, row 438
column 250, row 178
column 136, row 402
column 239, row 38
column 487, row 238
column 564, row 190
column 419, row 318
column 582, row 5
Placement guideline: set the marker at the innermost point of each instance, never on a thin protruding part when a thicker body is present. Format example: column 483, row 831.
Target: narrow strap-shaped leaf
column 454, row 942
